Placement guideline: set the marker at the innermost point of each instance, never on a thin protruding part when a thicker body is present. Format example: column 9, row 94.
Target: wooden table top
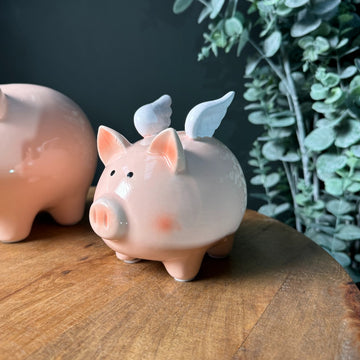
column 65, row 295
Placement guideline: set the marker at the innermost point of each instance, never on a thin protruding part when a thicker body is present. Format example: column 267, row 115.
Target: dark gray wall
column 113, row 56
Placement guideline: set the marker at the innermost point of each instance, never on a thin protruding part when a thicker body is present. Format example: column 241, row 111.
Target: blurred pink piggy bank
column 172, row 196
column 47, row 158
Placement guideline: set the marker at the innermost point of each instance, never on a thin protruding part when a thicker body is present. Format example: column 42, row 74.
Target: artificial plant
column 303, row 88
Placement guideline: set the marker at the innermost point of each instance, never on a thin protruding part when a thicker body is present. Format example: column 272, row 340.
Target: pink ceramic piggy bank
column 172, row 196
column 47, row 158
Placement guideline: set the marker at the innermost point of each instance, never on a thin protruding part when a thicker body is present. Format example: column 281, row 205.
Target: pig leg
column 69, row 210
column 17, row 227
column 127, row 259
column 222, row 248
column 185, row 268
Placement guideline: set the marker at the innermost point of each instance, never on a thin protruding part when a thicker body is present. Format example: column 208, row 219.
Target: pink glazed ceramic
column 172, row 196
column 48, row 158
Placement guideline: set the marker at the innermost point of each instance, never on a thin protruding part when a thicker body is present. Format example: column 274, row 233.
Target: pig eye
column 112, row 173
column 130, row 174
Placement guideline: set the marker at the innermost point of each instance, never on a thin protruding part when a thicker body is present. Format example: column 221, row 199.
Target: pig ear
column 205, row 118
column 3, row 105
column 168, row 145
column 109, row 143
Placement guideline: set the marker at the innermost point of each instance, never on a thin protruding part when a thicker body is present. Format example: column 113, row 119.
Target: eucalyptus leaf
column 355, row 176
column 305, row 25
column 323, row 108
column 318, row 91
column 272, row 179
column 258, row 118
column 252, row 94
column 272, row 44
column 306, row 42
column 282, row 10
column 251, row 65
column 253, row 162
column 206, row 11
column 334, row 95
column 181, row 5
column 260, row 196
column 330, row 80
column 273, row 150
column 301, row 199
column 348, row 134
column 257, row 180
column 329, row 242
column 357, row 63
column 216, row 8
column 334, row 186
column 233, row 26
column 282, row 208
column 342, row 43
column 354, row 187
column 321, row 44
column 318, row 205
column 244, row 37
column 295, row 3
column 338, row 245
column 282, row 122
column 320, row 139
column 348, row 232
column 279, row 133
column 355, row 82
column 339, row 207
column 341, row 258
column 348, row 72
column 355, row 149
column 291, row 156
column 268, row 210
column 273, row 193
column 324, row 6
column 327, row 164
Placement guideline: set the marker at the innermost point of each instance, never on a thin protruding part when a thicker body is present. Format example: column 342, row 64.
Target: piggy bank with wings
column 47, row 158
column 173, row 195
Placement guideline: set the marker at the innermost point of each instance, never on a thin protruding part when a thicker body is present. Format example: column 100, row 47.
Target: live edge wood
column 64, row 295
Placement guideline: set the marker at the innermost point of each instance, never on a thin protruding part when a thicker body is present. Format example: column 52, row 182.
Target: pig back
column 46, row 140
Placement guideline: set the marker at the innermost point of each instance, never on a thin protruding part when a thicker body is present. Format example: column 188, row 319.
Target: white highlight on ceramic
column 150, row 119
column 205, row 118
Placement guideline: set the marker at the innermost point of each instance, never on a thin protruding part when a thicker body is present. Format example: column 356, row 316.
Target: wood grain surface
column 65, row 295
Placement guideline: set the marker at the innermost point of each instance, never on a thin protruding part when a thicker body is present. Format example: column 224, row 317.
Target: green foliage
column 303, row 89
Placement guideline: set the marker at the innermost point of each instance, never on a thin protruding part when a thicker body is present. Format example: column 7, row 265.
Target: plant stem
column 316, row 184
column 292, row 185
column 270, row 63
column 203, row 2
column 301, row 134
column 290, row 88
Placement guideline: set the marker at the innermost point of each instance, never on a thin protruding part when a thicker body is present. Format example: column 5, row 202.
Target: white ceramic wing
column 3, row 105
column 205, row 118
column 150, row 119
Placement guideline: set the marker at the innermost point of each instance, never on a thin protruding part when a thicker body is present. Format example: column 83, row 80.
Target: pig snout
column 108, row 219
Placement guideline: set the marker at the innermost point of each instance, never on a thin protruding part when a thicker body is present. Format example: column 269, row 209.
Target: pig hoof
column 127, row 259
column 132, row 261
column 184, row 280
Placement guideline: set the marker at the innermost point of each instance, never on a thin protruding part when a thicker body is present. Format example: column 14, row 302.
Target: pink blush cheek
column 166, row 224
